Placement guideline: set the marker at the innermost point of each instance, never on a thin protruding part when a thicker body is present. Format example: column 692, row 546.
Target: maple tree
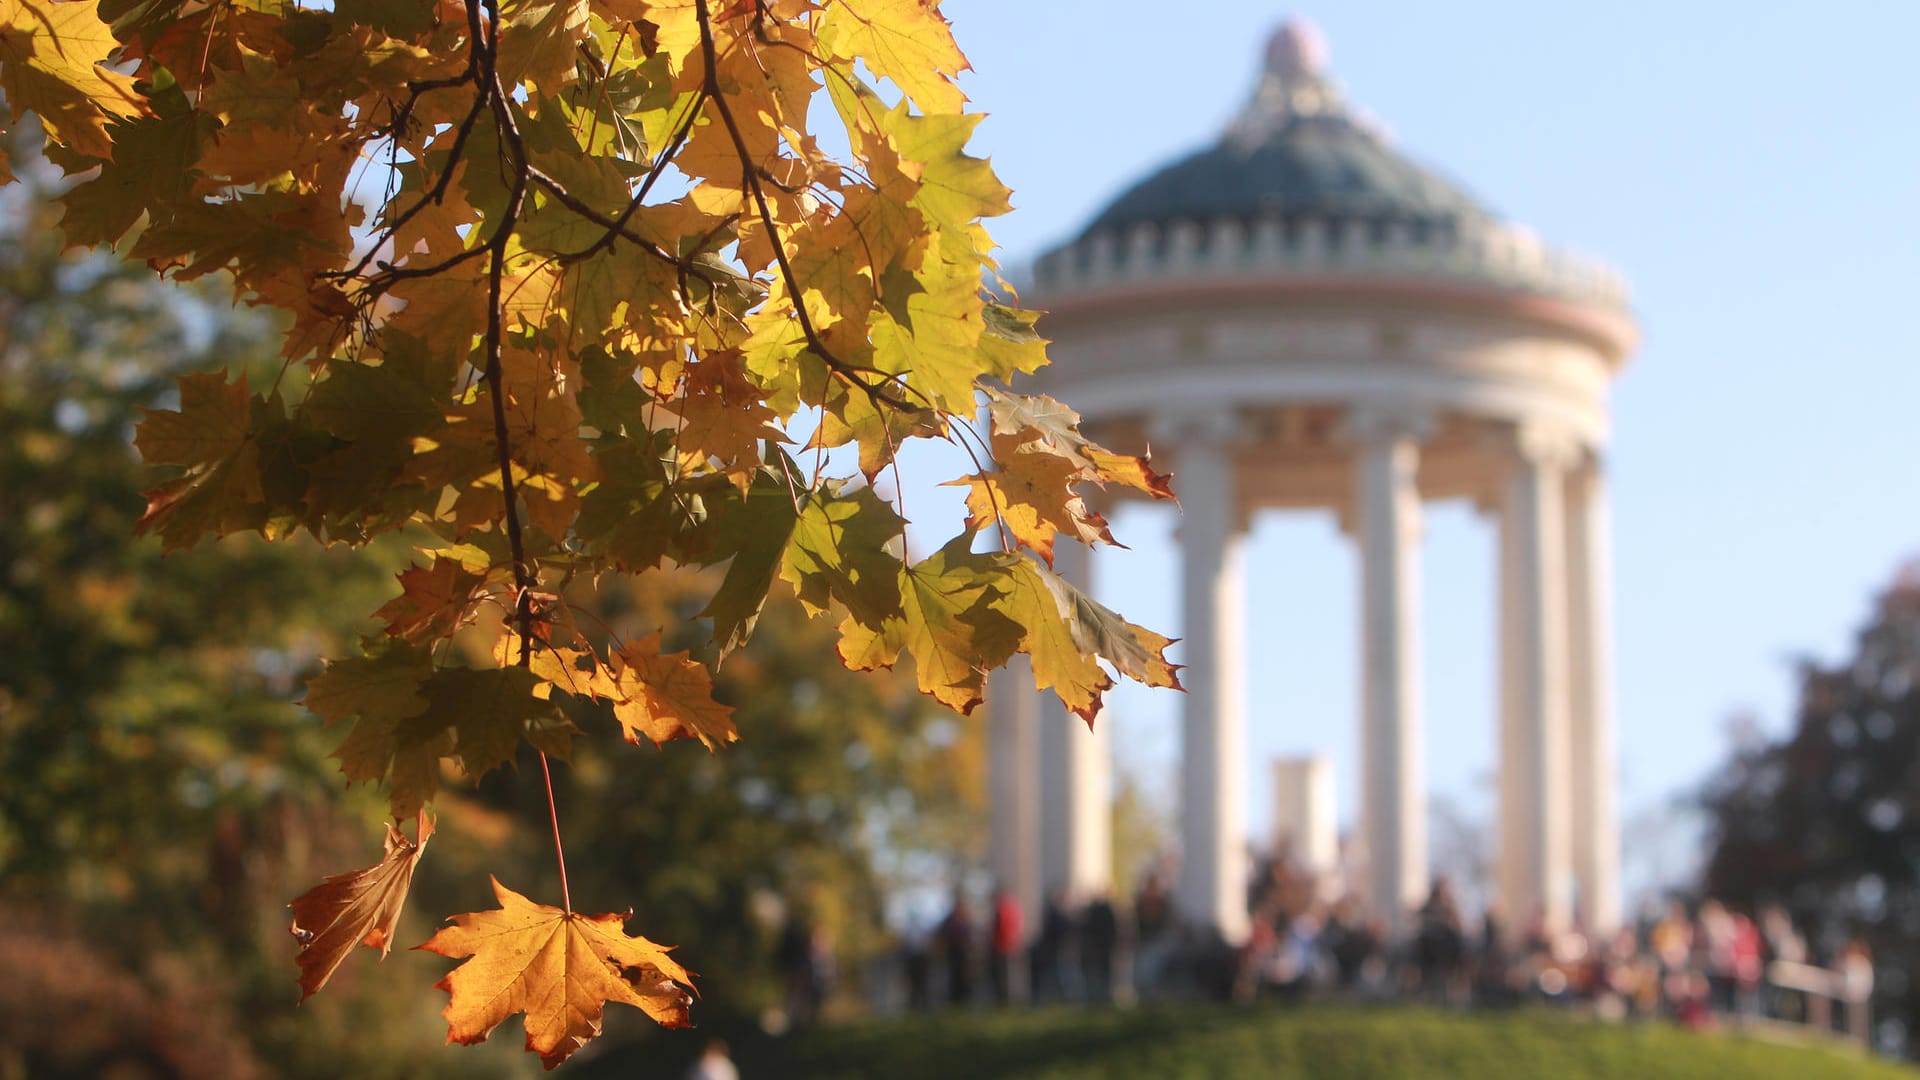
column 612, row 310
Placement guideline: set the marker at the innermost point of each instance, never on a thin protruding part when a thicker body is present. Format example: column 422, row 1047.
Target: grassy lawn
column 1320, row 1043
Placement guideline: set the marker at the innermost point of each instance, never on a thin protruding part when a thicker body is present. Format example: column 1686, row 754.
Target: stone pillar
column 1596, row 825
column 1013, row 785
column 1212, row 889
column 1076, row 788
column 1509, row 830
column 1393, row 790
column 1536, row 857
column 1306, row 816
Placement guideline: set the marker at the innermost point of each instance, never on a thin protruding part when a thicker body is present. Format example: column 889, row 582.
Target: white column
column 1536, row 827
column 1596, row 825
column 1510, row 840
column 1076, row 787
column 1393, row 790
column 1013, row 785
column 1306, row 816
column 1212, row 890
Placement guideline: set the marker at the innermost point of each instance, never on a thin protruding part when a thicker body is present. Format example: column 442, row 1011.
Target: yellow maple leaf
column 1060, row 661
column 907, row 41
column 52, row 58
column 558, row 967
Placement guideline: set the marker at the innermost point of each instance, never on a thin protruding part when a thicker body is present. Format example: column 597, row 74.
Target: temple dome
column 1296, row 151
column 1304, row 188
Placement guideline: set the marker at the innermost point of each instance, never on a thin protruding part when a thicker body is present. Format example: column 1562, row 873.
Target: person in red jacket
column 1008, row 937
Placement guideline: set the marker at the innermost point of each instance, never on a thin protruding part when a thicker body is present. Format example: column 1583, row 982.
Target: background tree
column 1141, row 839
column 1827, row 820
column 160, row 796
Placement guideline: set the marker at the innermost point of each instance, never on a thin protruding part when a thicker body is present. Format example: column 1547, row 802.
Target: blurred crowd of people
column 1691, row 963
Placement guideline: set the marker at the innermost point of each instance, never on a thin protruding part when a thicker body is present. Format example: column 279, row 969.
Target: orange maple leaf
column 1128, row 471
column 1032, row 495
column 558, row 967
column 355, row 908
column 434, row 602
column 663, row 697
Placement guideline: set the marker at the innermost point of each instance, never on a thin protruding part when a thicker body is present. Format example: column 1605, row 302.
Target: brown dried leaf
column 359, row 907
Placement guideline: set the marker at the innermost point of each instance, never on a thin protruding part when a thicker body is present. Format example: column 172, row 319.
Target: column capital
column 1536, row 442
column 1383, row 421
column 1589, row 473
column 1212, row 428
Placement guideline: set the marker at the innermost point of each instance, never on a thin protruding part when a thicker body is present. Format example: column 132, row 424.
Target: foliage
column 611, row 278
column 1320, row 1043
column 161, row 798
column 1824, row 822
column 1141, row 839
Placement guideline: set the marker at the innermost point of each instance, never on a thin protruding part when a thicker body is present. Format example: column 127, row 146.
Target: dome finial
column 1294, row 85
column 1297, row 51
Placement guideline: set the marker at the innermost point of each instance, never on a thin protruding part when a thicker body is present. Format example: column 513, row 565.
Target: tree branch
column 750, row 179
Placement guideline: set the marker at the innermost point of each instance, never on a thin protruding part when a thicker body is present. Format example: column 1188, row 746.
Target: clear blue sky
column 1754, row 168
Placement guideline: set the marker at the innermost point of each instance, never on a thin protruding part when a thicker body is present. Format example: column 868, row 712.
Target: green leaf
column 952, row 625
column 152, row 172
column 1044, row 606
column 490, row 710
column 1010, row 345
column 840, row 551
column 383, row 694
column 361, row 401
column 636, row 515
column 538, row 39
column 752, row 531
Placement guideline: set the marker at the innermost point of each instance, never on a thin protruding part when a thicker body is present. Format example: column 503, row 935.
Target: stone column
column 1510, row 832
column 1076, row 789
column 1212, row 890
column 1013, row 785
column 1535, row 806
column 1393, row 790
column 1596, row 825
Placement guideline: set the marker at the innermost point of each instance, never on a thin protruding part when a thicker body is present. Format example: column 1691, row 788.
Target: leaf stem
column 559, row 854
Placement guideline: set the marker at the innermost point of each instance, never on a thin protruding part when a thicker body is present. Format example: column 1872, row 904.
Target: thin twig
column 653, row 174
column 614, row 227
column 750, row 179
column 436, row 195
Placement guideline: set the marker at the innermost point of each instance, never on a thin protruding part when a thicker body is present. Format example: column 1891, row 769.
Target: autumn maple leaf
column 664, row 696
column 355, row 908
column 558, row 967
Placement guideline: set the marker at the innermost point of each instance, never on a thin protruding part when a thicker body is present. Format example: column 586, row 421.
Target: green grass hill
column 1313, row 1043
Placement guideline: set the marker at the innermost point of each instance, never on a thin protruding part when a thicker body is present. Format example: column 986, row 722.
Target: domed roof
column 1296, row 151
